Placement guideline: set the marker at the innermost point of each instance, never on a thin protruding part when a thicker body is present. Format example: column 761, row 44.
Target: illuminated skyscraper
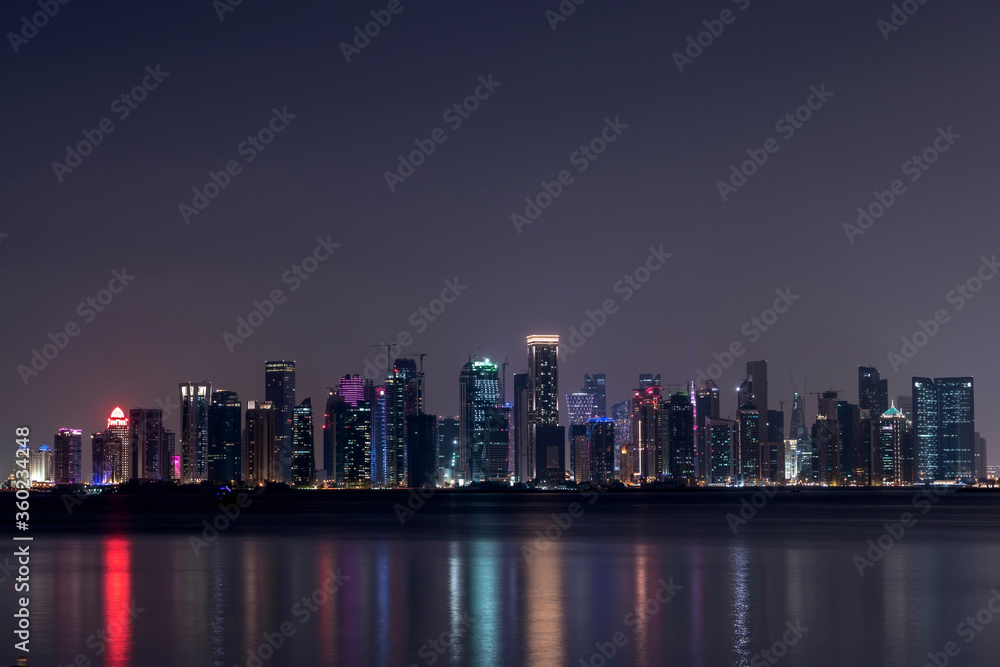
column 873, row 392
column 379, row 448
column 722, row 454
column 330, row 464
column 422, row 457
column 41, row 464
column 889, row 461
column 172, row 471
column 543, row 392
column 706, row 407
column 621, row 413
column 478, row 438
column 403, row 392
column 580, row 406
column 225, row 440
column 596, row 384
column 352, row 433
column 279, row 390
column 579, row 452
column 118, row 427
column 647, row 380
column 149, row 459
column 448, row 444
column 958, row 428
column 302, row 444
column 979, row 457
column 195, row 397
column 648, row 426
column 926, row 429
column 680, row 429
column 105, row 451
column 259, row 449
column 749, row 444
column 68, row 446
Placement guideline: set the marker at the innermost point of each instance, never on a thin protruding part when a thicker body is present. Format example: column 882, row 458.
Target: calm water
column 458, row 566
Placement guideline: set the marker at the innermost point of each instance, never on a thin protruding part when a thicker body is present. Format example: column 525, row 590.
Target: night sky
column 323, row 176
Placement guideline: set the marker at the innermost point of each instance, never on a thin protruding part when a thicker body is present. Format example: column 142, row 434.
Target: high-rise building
column 543, row 393
column 352, row 433
column 579, row 452
column 173, row 464
column 40, row 464
column 330, row 466
column 621, row 413
column 944, row 428
column 68, row 448
column 722, row 455
column 873, row 392
column 259, row 451
column 905, row 405
column 889, row 462
column 401, row 401
column 601, row 446
column 550, row 453
column 979, row 457
column 524, row 468
column 118, row 427
column 448, row 444
column 853, row 458
column 706, row 407
column 749, row 444
column 479, row 424
column 279, row 390
column 596, row 385
column 147, row 454
column 106, row 452
column 379, row 445
column 647, row 380
column 194, row 430
column 422, row 443
column 225, row 438
column 648, row 430
column 580, row 407
column 303, row 463
column 681, row 433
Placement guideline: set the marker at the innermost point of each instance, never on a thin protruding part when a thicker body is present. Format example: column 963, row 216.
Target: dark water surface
column 470, row 572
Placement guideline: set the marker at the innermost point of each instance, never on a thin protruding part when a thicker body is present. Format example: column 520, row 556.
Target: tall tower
column 279, row 390
column 888, row 462
column 259, row 452
column 873, row 392
column 145, row 430
column 478, row 400
column 352, row 433
column 225, row 441
column 680, row 424
column 401, row 401
column 749, row 444
column 957, row 427
column 580, row 407
column 648, row 430
column 926, row 429
column 68, row 448
column 194, row 430
column 596, row 384
column 543, row 393
column 601, row 446
column 118, row 427
column 524, row 455
column 41, row 464
column 302, row 444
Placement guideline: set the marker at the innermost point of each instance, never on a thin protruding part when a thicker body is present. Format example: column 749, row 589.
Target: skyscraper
column 550, row 453
column 106, row 452
column 524, row 468
column 146, row 444
column 259, row 450
column 596, row 385
column 648, row 430
column 647, row 380
column 621, row 413
column 958, row 428
column 706, row 407
column 873, row 392
column 330, row 466
column 194, row 430
column 379, row 445
column 579, row 451
column 225, row 440
column 478, row 399
column 68, row 447
column 302, row 444
column 402, row 397
column 680, row 416
column 41, row 464
column 279, row 390
column 172, row 471
column 601, row 446
column 580, row 407
column 448, row 444
column 722, row 456
column 352, row 433
column 749, row 444
column 543, row 392
column 118, row 427
column 422, row 443
column 888, row 463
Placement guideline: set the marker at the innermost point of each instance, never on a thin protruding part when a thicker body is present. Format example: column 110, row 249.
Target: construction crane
column 388, row 353
column 421, row 355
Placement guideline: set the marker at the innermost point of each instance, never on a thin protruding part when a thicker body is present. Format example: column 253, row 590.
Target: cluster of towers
column 379, row 436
